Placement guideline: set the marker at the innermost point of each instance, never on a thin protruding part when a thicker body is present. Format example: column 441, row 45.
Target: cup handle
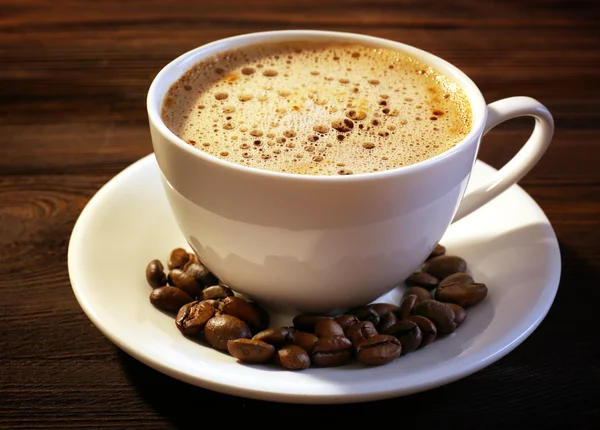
column 523, row 161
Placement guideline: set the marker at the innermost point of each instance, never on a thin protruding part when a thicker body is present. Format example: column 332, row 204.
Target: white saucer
column 509, row 244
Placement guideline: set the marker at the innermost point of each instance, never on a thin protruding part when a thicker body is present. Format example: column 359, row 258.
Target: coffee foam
column 318, row 109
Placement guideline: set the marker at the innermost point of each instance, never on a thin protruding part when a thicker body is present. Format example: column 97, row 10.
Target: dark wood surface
column 73, row 80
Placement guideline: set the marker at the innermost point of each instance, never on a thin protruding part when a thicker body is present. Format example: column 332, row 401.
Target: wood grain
column 73, row 82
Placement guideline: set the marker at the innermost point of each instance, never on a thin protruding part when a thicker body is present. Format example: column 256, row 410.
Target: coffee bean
column 383, row 309
column 306, row 322
column 456, row 278
column 346, row 320
column 193, row 316
column 328, row 327
column 194, row 269
column 366, row 313
column 427, row 327
column 305, row 340
column 277, row 336
column 216, row 292
column 192, row 259
column 332, row 351
column 222, row 328
column 202, row 275
column 444, row 265
column 437, row 251
column 464, row 295
column 240, row 308
column 361, row 331
column 378, row 350
column 263, row 316
column 217, row 304
column 459, row 313
column 407, row 306
column 177, row 259
column 292, row 357
column 440, row 314
column 378, row 332
column 386, row 321
column 155, row 274
column 250, row 350
column 421, row 293
column 408, row 333
column 170, row 281
column 185, row 282
column 422, row 279
column 169, row 299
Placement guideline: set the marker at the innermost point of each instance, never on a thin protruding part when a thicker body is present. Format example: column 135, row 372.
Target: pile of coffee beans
column 433, row 305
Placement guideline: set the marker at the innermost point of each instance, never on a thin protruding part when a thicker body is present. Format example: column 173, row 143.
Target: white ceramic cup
column 327, row 243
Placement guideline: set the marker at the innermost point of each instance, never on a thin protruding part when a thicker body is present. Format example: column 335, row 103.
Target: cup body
column 310, row 243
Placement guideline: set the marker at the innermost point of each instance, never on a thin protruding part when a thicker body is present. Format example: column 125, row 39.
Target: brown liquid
column 317, row 108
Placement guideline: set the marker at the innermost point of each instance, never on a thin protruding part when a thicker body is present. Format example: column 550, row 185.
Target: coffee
column 317, row 108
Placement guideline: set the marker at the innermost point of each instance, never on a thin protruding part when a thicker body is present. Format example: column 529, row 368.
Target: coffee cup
column 315, row 243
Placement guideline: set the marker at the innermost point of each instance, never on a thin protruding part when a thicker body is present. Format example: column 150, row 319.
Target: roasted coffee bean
column 407, row 306
column 193, row 316
column 456, row 278
column 361, row 331
column 378, row 350
column 427, row 327
column 384, row 309
column 193, row 259
column 250, row 350
column 195, row 270
column 217, row 304
column 240, row 308
column 292, row 357
column 185, row 282
column 216, row 292
column 440, row 314
column 408, row 333
column 169, row 299
column 177, row 259
column 422, row 279
column 170, row 281
column 263, row 316
column 332, row 351
column 437, row 251
column 464, row 295
column 444, row 266
column 155, row 274
column 328, row 327
column 222, row 328
column 459, row 313
column 306, row 322
column 386, row 321
column 346, row 320
column 202, row 275
column 305, row 340
column 277, row 336
column 366, row 313
column 420, row 292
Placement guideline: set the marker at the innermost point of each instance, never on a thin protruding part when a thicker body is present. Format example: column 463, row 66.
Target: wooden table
column 73, row 80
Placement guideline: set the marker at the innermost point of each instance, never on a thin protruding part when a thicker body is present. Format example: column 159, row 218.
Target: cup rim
column 185, row 61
